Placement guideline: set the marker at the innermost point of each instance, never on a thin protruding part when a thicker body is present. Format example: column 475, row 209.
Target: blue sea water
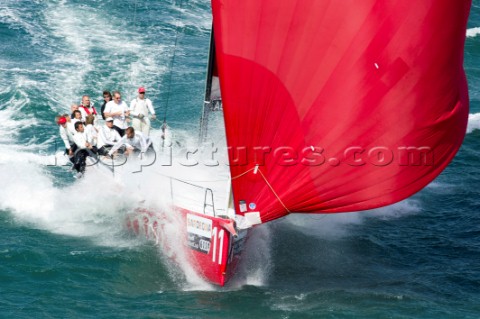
column 64, row 254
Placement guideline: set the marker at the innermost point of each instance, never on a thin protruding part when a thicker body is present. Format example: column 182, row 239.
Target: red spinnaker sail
column 341, row 105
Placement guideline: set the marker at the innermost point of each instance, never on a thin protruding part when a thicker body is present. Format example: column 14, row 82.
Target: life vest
column 87, row 110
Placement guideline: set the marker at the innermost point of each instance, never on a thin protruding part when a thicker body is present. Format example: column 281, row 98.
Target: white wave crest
column 473, row 32
column 12, row 116
column 333, row 226
column 89, row 208
column 473, row 122
column 17, row 18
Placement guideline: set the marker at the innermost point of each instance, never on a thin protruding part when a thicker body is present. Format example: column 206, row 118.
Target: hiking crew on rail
column 83, row 136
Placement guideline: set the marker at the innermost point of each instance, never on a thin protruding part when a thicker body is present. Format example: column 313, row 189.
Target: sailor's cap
column 62, row 120
column 109, row 119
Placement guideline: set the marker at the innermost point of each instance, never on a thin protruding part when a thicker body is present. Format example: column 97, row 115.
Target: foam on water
column 93, row 207
column 13, row 119
column 85, row 32
column 334, row 226
column 473, row 32
column 473, row 122
column 15, row 17
column 200, row 20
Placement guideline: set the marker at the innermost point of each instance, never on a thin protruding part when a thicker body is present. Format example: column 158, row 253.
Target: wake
column 473, row 32
column 473, row 122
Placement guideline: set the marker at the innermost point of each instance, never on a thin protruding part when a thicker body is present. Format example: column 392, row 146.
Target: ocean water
column 65, row 254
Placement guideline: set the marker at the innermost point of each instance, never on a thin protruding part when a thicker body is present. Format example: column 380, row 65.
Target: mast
column 208, row 91
column 211, row 102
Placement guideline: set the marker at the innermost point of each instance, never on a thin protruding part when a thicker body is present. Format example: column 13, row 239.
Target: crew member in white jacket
column 67, row 136
column 139, row 110
column 107, row 137
column 85, row 148
column 134, row 141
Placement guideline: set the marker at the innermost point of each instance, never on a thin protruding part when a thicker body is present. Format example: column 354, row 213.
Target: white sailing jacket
column 81, row 139
column 139, row 106
column 67, row 136
column 91, row 132
column 137, row 142
column 107, row 136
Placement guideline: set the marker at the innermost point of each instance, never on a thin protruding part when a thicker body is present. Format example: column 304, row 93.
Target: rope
column 273, row 191
column 135, row 16
column 171, row 67
column 268, row 184
column 155, row 119
column 244, row 173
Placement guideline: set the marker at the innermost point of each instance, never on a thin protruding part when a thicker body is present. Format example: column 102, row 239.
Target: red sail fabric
column 343, row 105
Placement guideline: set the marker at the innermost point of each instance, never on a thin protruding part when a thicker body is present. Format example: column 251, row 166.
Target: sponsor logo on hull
column 199, row 231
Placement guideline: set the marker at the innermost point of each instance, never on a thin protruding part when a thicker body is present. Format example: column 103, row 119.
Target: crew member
column 139, row 110
column 134, row 142
column 85, row 148
column 86, row 108
column 118, row 110
column 67, row 137
column 107, row 137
